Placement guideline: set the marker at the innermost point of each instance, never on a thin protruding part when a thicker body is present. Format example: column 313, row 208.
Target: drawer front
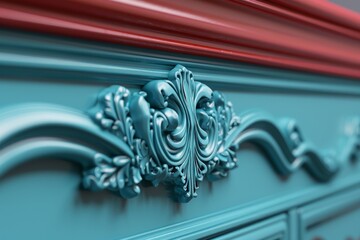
column 271, row 229
column 333, row 218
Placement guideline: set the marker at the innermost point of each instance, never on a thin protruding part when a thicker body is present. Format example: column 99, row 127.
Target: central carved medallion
column 176, row 129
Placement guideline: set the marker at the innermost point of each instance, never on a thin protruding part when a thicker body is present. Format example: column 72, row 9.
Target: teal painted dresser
column 120, row 122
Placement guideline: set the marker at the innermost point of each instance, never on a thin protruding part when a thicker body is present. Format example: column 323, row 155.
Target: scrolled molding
column 42, row 130
column 175, row 132
column 181, row 132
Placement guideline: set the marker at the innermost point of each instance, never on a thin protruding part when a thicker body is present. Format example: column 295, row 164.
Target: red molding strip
column 306, row 35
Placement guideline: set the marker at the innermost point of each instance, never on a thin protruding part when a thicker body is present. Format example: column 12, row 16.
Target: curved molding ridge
column 174, row 132
column 284, row 144
column 41, row 130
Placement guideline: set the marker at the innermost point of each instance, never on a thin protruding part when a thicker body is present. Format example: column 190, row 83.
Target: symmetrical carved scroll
column 176, row 129
column 180, row 131
column 174, row 132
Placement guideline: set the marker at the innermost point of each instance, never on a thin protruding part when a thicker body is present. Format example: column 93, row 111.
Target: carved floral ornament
column 181, row 132
column 175, row 132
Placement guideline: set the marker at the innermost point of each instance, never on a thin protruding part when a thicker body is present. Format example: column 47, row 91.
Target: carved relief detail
column 180, row 132
column 175, row 132
column 176, row 129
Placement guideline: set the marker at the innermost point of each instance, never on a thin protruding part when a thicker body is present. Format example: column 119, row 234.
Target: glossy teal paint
column 42, row 200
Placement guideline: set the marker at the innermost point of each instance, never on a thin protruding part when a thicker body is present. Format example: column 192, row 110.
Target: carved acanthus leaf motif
column 176, row 129
column 180, row 132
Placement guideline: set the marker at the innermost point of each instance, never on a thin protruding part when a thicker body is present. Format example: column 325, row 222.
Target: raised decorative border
column 175, row 132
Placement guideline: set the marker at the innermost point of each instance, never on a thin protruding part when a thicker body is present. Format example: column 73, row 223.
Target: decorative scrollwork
column 176, row 129
column 174, row 132
column 180, row 131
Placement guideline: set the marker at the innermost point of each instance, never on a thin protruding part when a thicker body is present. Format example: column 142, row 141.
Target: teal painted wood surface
column 42, row 199
column 275, row 228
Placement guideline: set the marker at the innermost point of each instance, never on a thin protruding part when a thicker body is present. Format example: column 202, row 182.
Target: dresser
column 179, row 120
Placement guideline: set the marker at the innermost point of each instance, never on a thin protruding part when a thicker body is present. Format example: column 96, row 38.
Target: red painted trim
column 306, row 35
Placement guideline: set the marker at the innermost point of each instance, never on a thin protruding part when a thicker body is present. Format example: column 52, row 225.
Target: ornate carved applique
column 176, row 129
column 180, row 132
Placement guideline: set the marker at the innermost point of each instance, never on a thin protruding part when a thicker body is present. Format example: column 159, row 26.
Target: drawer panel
column 271, row 229
column 333, row 218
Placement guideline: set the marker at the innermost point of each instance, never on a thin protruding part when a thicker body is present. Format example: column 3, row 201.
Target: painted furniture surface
column 106, row 136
